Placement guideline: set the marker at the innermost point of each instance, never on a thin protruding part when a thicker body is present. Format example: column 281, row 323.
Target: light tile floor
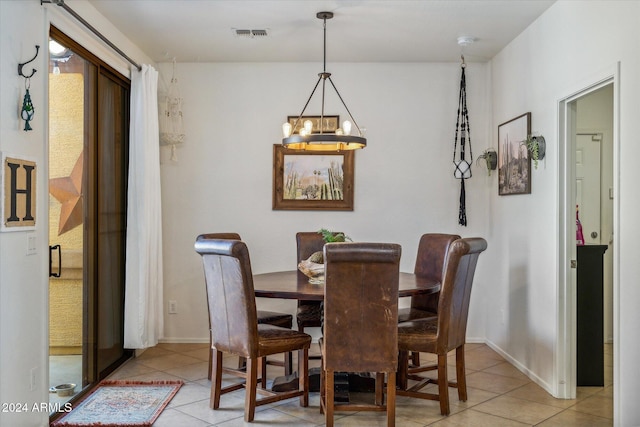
column 64, row 369
column 499, row 395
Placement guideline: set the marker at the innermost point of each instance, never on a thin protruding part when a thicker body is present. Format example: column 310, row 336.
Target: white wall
column 23, row 295
column 404, row 183
column 24, row 315
column 557, row 55
column 223, row 180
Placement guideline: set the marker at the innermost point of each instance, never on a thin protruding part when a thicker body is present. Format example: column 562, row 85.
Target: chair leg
column 242, row 362
column 443, row 384
column 391, row 399
column 303, row 368
column 263, row 371
column 379, row 388
column 415, row 358
column 288, row 363
column 210, row 361
column 216, row 380
column 403, row 366
column 461, row 378
column 329, row 398
column 251, row 384
column 323, row 394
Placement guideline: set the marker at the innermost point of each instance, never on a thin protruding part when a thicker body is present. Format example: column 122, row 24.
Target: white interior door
column 588, row 149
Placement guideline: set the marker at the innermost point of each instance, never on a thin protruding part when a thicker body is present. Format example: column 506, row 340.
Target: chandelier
column 320, row 139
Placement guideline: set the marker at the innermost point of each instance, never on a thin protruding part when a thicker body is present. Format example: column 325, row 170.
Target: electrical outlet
column 33, row 378
column 173, row 307
column 31, row 244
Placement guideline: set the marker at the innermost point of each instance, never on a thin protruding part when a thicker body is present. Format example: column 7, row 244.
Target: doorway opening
column 88, row 164
column 588, row 126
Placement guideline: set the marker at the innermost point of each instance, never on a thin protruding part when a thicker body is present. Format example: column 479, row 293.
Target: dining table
column 292, row 284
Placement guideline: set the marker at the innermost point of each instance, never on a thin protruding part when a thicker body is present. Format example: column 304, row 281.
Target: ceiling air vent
column 249, row 34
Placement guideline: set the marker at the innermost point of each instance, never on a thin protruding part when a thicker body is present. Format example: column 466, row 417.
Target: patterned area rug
column 121, row 404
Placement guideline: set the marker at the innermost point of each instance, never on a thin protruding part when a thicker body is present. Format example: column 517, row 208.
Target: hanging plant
column 490, row 158
column 536, row 146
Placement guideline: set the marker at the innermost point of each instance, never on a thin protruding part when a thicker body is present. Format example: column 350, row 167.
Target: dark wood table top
column 290, row 285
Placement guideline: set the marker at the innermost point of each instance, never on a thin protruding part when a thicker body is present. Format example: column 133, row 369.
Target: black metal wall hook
column 25, row 63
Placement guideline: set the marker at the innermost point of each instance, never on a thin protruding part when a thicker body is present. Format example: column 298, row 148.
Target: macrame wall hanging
column 171, row 125
column 461, row 161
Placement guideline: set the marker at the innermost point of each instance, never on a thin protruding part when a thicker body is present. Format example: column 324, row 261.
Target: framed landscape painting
column 514, row 163
column 312, row 180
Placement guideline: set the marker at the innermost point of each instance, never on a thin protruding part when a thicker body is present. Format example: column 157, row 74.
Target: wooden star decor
column 68, row 191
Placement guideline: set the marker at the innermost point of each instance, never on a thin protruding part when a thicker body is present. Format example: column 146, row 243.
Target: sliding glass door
column 88, row 163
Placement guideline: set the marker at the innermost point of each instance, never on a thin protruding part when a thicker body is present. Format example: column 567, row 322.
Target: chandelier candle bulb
column 286, row 130
column 346, row 127
column 308, row 127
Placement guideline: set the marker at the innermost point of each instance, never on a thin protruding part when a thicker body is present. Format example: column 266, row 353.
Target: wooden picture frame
column 514, row 162
column 312, row 180
column 330, row 123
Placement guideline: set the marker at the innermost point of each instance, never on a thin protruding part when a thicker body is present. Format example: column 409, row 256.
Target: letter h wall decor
column 18, row 187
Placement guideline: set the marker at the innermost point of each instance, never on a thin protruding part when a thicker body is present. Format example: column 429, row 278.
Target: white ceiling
column 361, row 30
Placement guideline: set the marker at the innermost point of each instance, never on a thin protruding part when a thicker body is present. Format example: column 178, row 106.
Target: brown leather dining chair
column 235, row 328
column 309, row 312
column 360, row 313
column 444, row 333
column 432, row 252
column 268, row 317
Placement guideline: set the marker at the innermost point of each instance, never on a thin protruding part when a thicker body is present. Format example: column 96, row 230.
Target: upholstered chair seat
column 283, row 320
column 444, row 333
column 432, row 251
column 360, row 322
column 235, row 329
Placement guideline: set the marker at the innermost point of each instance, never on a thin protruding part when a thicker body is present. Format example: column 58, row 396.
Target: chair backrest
column 455, row 294
column 230, row 295
column 307, row 243
column 361, row 306
column 226, row 236
column 432, row 252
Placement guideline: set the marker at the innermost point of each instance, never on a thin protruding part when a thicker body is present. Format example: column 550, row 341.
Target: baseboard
column 175, row 340
column 519, row 366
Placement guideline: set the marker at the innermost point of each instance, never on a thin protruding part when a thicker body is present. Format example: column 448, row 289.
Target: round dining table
column 295, row 285
column 292, row 285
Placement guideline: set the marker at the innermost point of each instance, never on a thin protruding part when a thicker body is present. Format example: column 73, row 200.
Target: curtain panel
column 144, row 282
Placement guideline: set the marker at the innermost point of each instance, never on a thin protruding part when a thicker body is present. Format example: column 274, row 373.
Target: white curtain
column 143, row 322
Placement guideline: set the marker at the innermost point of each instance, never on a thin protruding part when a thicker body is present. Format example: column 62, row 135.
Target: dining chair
column 309, row 312
column 432, row 252
column 235, row 328
column 444, row 333
column 269, row 317
column 360, row 313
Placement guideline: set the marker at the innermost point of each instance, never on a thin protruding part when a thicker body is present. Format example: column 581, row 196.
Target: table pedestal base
column 344, row 383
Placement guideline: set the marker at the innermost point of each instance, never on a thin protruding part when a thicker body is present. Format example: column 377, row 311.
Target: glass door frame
column 99, row 79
